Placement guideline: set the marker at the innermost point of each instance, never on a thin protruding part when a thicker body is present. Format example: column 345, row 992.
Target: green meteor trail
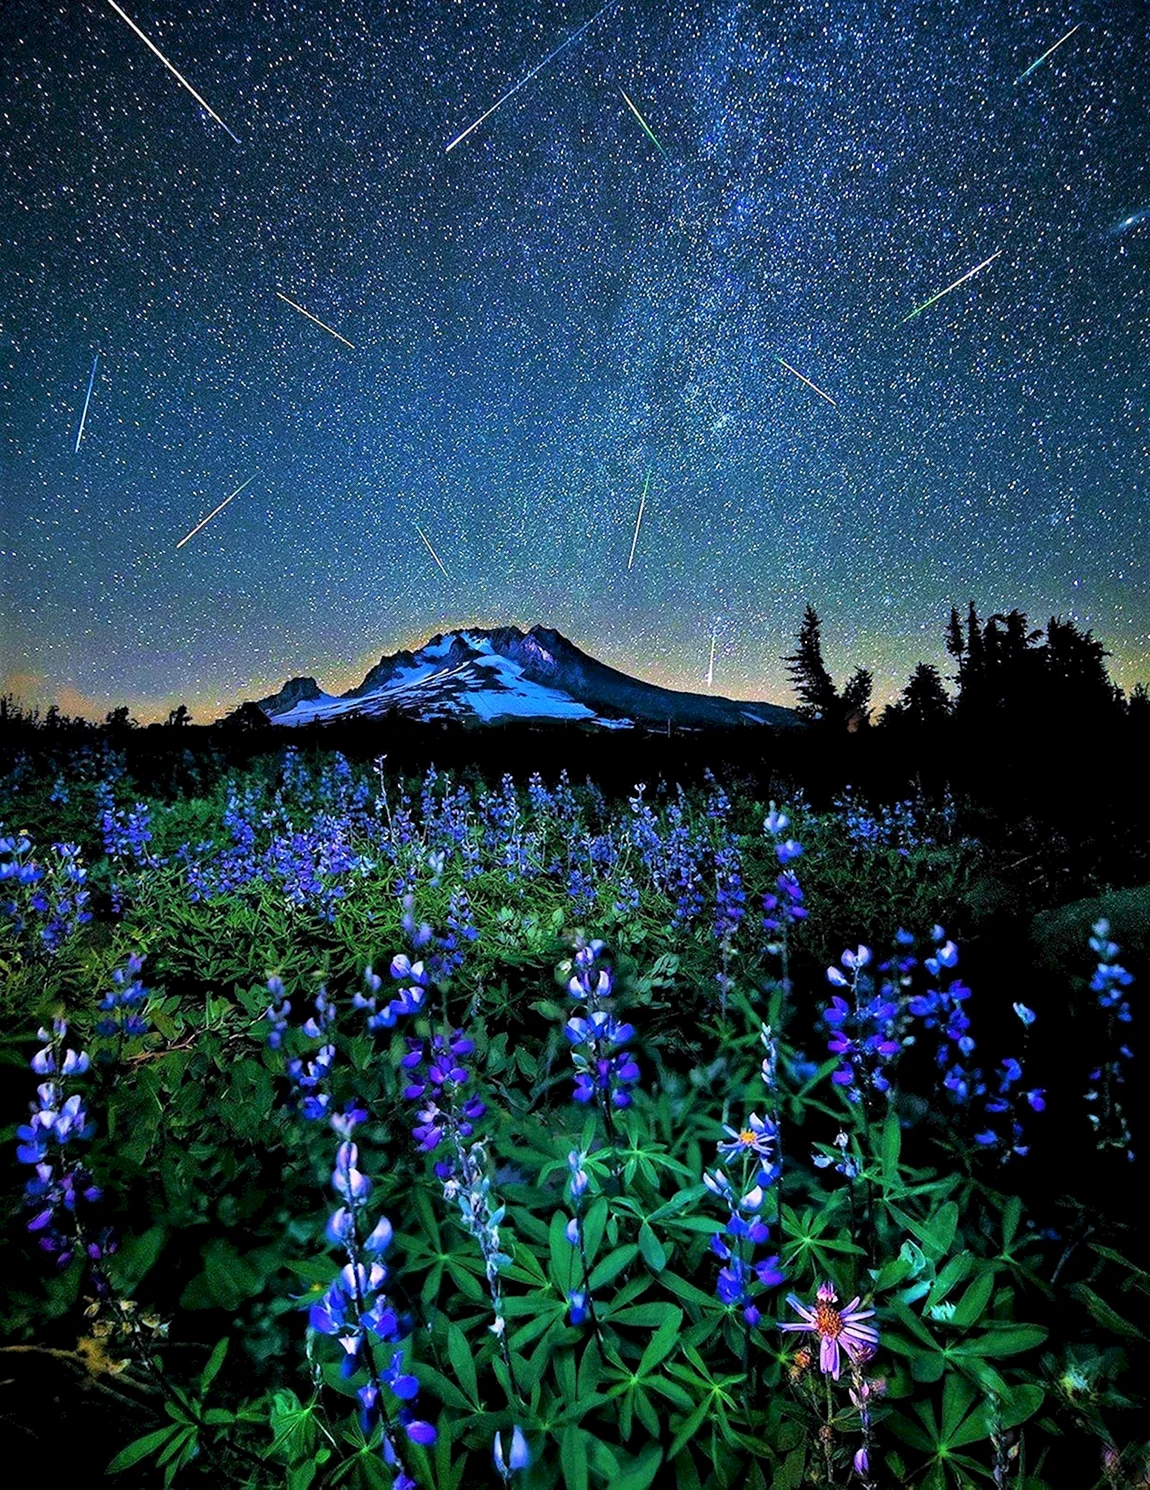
column 647, row 130
column 960, row 281
column 1047, row 53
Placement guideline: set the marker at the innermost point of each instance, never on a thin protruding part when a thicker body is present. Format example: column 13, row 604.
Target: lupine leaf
column 654, row 1253
column 641, row 1471
column 463, row 1362
column 215, row 1361
column 662, row 1342
column 140, row 1448
column 970, row 1307
column 613, row 1264
column 573, row 1457
column 692, row 1425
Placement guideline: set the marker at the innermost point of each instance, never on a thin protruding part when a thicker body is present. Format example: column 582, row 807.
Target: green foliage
column 220, row 1194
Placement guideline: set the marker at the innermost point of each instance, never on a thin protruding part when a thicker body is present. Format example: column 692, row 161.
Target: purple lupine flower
column 835, row 1328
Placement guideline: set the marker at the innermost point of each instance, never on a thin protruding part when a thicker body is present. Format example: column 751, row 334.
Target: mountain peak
column 491, row 673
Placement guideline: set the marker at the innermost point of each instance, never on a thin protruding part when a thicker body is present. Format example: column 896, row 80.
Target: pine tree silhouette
column 818, row 699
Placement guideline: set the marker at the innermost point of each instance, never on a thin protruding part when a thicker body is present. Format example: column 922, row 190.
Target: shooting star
column 316, row 319
column 499, row 102
column 808, row 382
column 960, row 281
column 1047, row 53
column 219, row 509
column 639, row 519
column 647, row 130
column 711, row 664
column 431, row 551
column 179, row 79
column 87, row 401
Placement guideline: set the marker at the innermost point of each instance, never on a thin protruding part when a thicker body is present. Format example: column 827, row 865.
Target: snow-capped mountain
column 483, row 675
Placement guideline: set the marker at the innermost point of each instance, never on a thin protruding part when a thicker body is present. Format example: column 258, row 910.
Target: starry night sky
column 552, row 308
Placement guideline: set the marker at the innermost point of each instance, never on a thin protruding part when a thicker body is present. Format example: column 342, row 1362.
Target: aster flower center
column 747, row 1137
column 828, row 1321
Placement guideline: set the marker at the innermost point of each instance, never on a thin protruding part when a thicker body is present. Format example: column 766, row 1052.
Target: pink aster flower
column 835, row 1327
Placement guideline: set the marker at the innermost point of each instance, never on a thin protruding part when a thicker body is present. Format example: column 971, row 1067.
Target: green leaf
column 654, row 1254
column 692, row 1425
column 140, row 1448
column 613, row 1264
column 678, row 1202
column 891, row 1147
column 661, row 1344
column 688, row 1292
column 954, row 1272
column 212, row 1369
column 441, row 1386
column 1107, row 1317
column 970, row 1307
column 463, row 1362
column 1011, row 1215
column 573, row 1457
column 562, row 1253
column 1012, row 1339
column 593, row 1224
column 957, row 1395
column 641, row 1471
column 646, row 1316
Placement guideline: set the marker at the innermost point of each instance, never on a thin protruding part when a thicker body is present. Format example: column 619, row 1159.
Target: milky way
column 618, row 271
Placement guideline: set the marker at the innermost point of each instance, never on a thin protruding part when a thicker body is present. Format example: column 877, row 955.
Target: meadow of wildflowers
column 420, row 1133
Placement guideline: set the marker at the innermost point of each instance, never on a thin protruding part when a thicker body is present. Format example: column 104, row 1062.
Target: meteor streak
column 647, row 130
column 179, row 79
column 316, row 319
column 563, row 45
column 87, row 401
column 1047, row 53
column 808, row 382
column 639, row 519
column 711, row 664
column 220, row 508
column 431, row 551
column 954, row 286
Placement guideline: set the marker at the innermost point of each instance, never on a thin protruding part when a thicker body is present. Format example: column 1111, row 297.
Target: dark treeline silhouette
column 1007, row 673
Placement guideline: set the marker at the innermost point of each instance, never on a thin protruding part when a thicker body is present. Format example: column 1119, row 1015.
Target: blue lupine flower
column 602, row 1068
column 61, row 1188
column 122, row 1004
column 734, row 1281
column 518, row 1455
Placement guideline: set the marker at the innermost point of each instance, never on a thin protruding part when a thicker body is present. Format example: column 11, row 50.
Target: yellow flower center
column 828, row 1322
column 747, row 1137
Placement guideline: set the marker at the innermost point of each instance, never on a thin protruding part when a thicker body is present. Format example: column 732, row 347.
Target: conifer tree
column 810, row 679
column 855, row 703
